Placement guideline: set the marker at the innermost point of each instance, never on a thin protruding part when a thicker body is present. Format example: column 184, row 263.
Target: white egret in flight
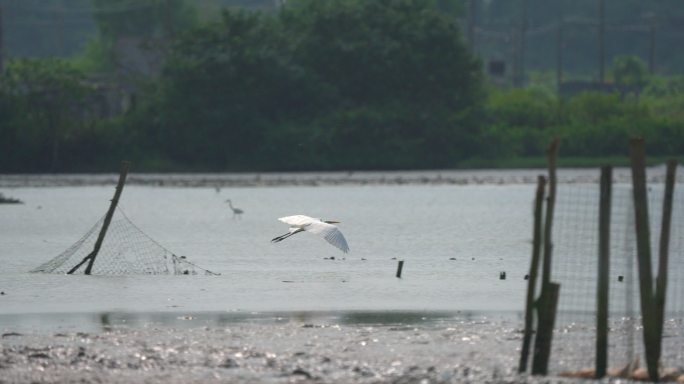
column 301, row 223
column 236, row 211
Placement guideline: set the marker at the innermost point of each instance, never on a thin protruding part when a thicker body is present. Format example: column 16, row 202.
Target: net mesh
column 125, row 250
column 575, row 267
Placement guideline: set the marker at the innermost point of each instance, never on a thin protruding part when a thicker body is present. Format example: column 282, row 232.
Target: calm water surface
column 280, row 311
column 485, row 228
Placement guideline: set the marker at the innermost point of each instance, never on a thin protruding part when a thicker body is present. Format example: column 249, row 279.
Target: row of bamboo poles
column 652, row 295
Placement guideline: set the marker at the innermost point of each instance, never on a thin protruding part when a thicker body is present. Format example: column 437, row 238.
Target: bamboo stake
column 105, row 225
column 548, row 298
column 547, row 318
column 603, row 272
column 661, row 280
column 552, row 154
column 534, row 267
column 648, row 315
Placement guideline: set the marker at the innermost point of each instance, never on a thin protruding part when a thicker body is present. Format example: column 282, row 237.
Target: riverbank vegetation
column 318, row 85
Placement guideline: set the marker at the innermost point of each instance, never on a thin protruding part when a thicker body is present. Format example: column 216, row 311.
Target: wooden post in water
column 546, row 315
column 105, row 225
column 548, row 298
column 400, row 266
column 603, row 272
column 552, row 154
column 534, row 267
column 643, row 238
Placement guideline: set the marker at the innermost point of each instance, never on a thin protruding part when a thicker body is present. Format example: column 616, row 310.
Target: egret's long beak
column 332, row 222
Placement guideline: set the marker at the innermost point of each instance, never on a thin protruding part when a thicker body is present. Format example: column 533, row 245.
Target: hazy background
column 227, row 85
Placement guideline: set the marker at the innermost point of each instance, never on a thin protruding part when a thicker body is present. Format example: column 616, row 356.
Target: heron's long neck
column 230, row 204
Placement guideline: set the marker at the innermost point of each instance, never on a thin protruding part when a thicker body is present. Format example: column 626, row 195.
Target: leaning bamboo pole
column 648, row 309
column 105, row 225
column 664, row 247
column 548, row 298
column 532, row 276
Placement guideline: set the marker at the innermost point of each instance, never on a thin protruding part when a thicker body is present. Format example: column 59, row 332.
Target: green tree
column 599, row 124
column 379, row 50
column 224, row 85
column 404, row 82
column 630, row 71
column 329, row 84
column 520, row 121
column 44, row 100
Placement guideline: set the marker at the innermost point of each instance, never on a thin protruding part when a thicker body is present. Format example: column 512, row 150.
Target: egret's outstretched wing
column 297, row 220
column 331, row 233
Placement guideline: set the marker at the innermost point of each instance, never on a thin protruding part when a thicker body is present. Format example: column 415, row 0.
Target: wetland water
column 455, row 240
column 277, row 312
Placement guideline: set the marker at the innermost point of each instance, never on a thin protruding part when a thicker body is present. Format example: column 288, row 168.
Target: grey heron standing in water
column 325, row 228
column 236, row 211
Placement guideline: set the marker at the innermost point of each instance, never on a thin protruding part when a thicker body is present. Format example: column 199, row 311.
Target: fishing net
column 575, row 268
column 125, row 250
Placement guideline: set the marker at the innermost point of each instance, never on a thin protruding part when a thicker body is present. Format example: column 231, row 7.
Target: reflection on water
column 108, row 321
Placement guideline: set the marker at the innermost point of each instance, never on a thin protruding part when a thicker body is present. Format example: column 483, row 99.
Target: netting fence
column 125, row 250
column 575, row 267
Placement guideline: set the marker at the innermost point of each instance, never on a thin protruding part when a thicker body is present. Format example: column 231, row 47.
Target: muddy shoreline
column 312, row 351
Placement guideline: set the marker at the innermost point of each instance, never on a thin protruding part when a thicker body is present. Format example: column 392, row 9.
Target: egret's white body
column 301, row 223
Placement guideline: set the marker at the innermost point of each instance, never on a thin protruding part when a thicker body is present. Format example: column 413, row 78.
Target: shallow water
column 283, row 312
column 277, row 312
column 455, row 240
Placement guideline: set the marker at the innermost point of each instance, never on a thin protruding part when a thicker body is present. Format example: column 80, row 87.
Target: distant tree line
column 337, row 84
column 521, row 122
